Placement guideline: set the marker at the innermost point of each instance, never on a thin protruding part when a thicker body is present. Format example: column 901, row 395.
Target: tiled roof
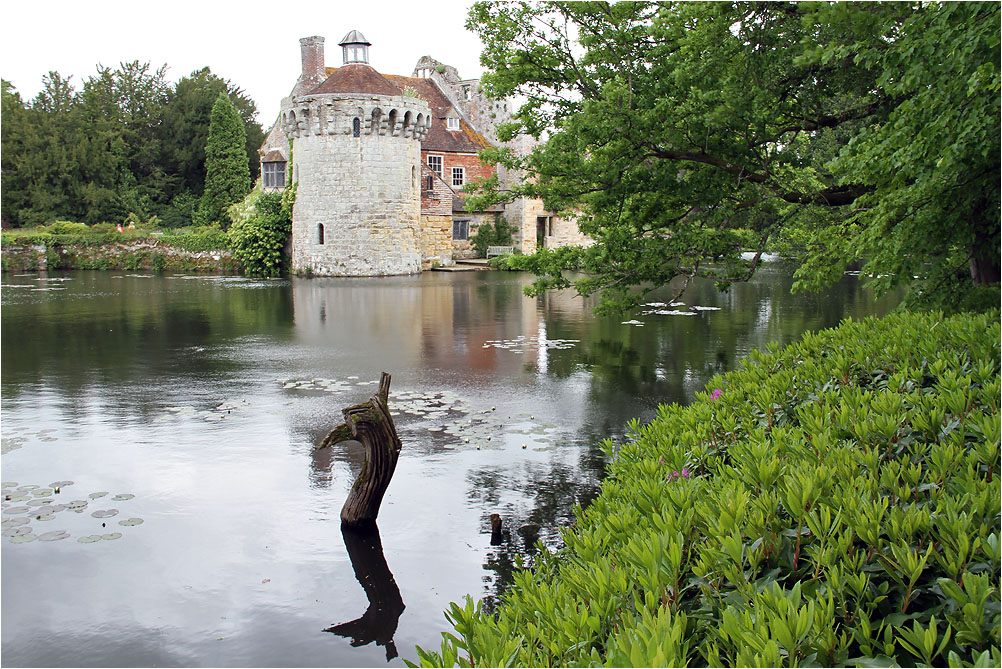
column 464, row 140
column 356, row 78
column 274, row 156
column 359, row 78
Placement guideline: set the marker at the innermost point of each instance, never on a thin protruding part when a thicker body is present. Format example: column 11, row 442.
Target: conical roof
column 354, row 37
column 356, row 78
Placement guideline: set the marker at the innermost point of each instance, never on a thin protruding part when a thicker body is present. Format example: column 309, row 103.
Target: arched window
column 430, row 183
column 356, row 127
column 376, row 114
column 407, row 122
column 413, row 176
column 391, row 121
column 320, row 233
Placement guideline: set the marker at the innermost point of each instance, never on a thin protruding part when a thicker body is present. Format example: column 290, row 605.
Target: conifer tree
column 227, row 177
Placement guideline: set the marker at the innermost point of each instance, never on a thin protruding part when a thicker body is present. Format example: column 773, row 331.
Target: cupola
column 356, row 48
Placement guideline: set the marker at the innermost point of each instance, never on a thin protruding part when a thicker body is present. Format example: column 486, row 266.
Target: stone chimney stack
column 313, row 75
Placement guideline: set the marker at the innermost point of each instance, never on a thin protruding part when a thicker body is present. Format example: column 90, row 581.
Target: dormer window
column 356, row 48
column 452, row 123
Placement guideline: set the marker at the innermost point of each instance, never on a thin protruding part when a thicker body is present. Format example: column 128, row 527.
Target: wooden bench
column 493, row 251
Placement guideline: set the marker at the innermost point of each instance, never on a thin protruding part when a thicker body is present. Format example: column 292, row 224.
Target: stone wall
column 358, row 205
column 436, row 241
column 137, row 255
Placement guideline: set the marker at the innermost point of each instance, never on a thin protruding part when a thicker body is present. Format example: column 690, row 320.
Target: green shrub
column 835, row 503
column 487, row 234
column 199, row 239
column 67, row 228
column 258, row 240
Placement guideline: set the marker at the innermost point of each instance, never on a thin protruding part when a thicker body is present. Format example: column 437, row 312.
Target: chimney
column 312, row 49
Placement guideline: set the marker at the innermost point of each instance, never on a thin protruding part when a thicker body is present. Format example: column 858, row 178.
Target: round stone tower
column 356, row 158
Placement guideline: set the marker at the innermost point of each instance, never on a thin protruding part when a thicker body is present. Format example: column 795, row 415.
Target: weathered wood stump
column 371, row 424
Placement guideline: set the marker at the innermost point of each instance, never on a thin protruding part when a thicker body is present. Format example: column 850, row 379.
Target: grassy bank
column 834, row 503
column 65, row 245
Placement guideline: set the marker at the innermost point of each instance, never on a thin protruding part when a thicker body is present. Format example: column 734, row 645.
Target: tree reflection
column 379, row 622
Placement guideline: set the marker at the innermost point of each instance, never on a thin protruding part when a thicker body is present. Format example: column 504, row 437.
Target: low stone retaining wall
column 137, row 255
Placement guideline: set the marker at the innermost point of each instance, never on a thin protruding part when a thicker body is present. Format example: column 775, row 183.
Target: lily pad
column 47, row 516
column 107, row 513
column 128, row 522
column 60, row 484
column 55, row 535
column 40, row 502
column 42, row 492
column 89, row 539
column 23, row 538
column 20, row 497
column 111, row 536
column 27, row 488
column 14, row 510
column 13, row 522
column 122, row 497
column 8, row 484
column 77, row 505
column 96, row 495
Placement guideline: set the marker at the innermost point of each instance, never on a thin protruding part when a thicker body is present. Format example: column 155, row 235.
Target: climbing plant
column 258, row 240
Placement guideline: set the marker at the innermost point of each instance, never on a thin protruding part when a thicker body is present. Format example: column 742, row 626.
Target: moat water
column 194, row 403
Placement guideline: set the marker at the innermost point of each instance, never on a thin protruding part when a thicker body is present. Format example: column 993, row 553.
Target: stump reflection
column 379, row 622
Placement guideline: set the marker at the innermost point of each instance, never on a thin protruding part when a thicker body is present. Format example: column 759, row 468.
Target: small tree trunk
column 371, row 424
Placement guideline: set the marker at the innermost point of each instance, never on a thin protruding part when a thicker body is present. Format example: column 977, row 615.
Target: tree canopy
column 227, row 177
column 868, row 132
column 126, row 142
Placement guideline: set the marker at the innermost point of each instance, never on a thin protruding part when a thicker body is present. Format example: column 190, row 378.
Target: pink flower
column 717, row 392
column 685, row 472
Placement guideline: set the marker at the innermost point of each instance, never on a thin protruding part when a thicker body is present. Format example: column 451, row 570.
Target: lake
column 195, row 524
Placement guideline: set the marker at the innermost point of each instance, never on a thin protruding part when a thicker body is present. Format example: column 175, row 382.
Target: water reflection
column 379, row 622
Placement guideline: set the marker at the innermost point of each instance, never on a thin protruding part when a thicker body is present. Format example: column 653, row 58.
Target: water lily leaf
column 47, row 516
column 55, row 535
column 27, row 488
column 77, row 504
column 60, row 484
column 89, row 539
column 128, row 522
column 42, row 492
column 107, row 513
column 13, row 522
column 112, row 536
column 96, row 495
column 8, row 484
column 23, row 538
column 122, row 497
column 14, row 510
column 40, row 502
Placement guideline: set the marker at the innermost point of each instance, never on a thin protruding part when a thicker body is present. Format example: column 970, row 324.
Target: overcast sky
column 252, row 43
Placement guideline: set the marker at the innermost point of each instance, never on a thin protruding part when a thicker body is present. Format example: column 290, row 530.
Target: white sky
column 252, row 43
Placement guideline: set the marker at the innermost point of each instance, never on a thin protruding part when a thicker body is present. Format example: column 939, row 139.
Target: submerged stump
column 371, row 424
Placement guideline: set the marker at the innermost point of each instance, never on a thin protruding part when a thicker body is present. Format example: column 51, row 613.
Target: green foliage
column 834, row 503
column 869, row 131
column 227, row 177
column 258, row 240
column 126, row 142
column 488, row 234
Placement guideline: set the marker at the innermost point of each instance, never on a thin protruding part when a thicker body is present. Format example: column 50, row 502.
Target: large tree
column 871, row 129
column 185, row 128
column 227, row 175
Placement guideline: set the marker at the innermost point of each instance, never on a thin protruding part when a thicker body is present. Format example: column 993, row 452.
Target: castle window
column 320, row 233
column 356, row 127
column 458, row 176
column 460, row 229
column 452, row 123
column 435, row 163
column 430, row 183
column 274, row 174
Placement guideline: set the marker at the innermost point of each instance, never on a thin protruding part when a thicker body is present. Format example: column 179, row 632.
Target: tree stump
column 371, row 424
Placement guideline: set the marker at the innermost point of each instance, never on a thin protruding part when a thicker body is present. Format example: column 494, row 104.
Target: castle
column 380, row 162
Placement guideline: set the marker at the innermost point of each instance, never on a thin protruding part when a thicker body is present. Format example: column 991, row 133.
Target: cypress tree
column 227, row 177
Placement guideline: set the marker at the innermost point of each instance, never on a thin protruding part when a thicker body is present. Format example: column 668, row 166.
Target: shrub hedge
column 835, row 503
